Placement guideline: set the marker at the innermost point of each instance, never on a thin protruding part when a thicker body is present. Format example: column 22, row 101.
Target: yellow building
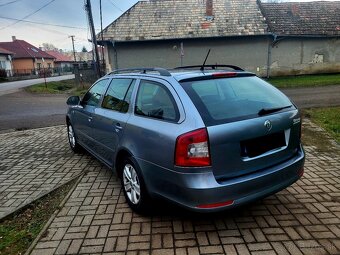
column 28, row 59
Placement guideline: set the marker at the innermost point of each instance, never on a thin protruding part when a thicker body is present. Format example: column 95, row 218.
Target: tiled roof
column 4, row 51
column 169, row 19
column 308, row 18
column 23, row 49
column 59, row 57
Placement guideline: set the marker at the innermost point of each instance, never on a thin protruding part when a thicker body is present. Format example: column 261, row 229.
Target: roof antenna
column 202, row 67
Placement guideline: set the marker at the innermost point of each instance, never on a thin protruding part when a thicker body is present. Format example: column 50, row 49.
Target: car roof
column 181, row 73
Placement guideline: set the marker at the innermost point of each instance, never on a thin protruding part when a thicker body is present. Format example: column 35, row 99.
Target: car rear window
column 231, row 99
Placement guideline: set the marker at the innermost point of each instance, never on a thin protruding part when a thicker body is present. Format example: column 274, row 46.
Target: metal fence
column 47, row 72
column 86, row 72
column 39, row 72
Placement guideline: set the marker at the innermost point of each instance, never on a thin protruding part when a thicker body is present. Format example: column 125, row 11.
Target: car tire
column 134, row 188
column 72, row 139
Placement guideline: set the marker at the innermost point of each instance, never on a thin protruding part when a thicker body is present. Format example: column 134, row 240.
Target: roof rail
column 211, row 66
column 161, row 71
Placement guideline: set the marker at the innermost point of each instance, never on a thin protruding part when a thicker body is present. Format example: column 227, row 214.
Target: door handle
column 90, row 119
column 118, row 127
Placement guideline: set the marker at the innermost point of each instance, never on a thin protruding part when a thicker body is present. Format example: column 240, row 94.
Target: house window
column 39, row 66
column 2, row 65
column 49, row 65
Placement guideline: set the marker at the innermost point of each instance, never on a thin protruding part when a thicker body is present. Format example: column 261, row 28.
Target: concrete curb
column 61, row 205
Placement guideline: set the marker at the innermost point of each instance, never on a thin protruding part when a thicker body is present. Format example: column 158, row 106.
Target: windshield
column 230, row 99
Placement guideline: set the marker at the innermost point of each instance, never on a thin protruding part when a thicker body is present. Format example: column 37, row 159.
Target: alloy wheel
column 71, row 136
column 131, row 184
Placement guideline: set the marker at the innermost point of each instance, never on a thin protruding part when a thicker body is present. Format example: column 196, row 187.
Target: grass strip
column 328, row 118
column 18, row 231
column 305, row 81
column 59, row 87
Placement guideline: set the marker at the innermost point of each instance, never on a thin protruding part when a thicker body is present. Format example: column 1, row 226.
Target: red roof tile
column 59, row 57
column 4, row 51
column 23, row 49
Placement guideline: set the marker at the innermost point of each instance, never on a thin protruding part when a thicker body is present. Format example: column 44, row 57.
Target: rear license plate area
column 255, row 147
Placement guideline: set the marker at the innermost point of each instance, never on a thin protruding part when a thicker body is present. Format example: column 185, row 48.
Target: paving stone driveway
column 34, row 162
column 302, row 219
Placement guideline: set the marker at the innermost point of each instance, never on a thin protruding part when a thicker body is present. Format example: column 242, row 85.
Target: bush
column 45, row 72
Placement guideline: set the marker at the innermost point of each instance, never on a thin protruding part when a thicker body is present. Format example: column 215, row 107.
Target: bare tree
column 49, row 46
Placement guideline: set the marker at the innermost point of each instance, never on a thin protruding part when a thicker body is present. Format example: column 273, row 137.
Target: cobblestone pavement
column 34, row 162
column 302, row 219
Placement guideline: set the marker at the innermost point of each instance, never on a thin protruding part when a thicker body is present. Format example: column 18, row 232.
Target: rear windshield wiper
column 265, row 111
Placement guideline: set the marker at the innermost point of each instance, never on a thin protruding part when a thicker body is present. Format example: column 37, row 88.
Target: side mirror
column 73, row 100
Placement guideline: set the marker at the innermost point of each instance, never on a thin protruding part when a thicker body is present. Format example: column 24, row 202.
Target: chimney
column 209, row 8
column 13, row 38
column 295, row 10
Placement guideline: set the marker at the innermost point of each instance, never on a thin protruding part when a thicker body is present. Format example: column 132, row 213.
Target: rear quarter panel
column 154, row 140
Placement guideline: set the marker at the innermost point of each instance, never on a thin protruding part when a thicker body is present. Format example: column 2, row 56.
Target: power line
column 41, row 23
column 117, row 7
column 28, row 15
column 10, row 3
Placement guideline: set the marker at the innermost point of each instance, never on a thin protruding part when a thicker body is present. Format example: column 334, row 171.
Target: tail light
column 224, row 74
column 192, row 149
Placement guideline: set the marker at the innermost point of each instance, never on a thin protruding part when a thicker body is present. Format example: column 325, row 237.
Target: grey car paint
column 152, row 143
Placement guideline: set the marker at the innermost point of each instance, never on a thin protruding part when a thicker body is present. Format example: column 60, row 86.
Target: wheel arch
column 122, row 154
column 68, row 120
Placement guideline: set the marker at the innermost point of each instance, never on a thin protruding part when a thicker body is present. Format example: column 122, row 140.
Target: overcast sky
column 57, row 12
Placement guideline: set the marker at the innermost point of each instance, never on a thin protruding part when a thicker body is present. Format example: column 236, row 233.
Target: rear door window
column 230, row 99
column 118, row 95
column 155, row 100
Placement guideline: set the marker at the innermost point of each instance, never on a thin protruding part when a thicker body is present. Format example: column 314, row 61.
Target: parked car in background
column 207, row 139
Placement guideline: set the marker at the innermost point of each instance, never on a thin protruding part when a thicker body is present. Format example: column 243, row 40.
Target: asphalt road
column 25, row 110
column 314, row 97
column 14, row 86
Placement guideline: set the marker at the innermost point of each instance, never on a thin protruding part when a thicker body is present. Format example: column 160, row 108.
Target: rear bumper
column 193, row 189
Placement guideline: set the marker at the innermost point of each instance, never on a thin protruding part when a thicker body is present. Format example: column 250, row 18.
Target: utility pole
column 74, row 52
column 101, row 29
column 93, row 35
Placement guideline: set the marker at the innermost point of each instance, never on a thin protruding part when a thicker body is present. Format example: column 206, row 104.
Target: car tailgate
column 242, row 147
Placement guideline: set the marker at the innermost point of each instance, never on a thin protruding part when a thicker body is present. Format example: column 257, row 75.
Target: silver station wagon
column 207, row 138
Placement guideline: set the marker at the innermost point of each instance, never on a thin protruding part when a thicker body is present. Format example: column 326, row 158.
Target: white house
column 6, row 61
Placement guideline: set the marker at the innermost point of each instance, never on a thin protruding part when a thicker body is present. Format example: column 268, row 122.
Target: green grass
column 3, row 79
column 305, row 81
column 59, row 87
column 18, row 231
column 327, row 118
column 79, row 91
column 53, row 87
